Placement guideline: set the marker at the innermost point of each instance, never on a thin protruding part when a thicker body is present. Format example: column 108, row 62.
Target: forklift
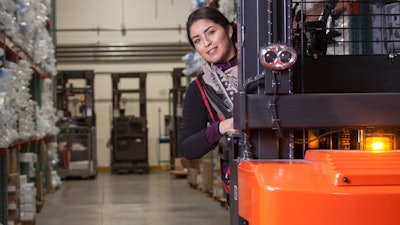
column 129, row 134
column 318, row 113
column 78, row 134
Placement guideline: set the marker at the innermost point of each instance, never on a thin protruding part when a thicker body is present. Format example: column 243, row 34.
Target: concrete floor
column 156, row 198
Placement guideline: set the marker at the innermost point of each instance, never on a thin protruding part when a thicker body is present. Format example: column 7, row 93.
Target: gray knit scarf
column 223, row 84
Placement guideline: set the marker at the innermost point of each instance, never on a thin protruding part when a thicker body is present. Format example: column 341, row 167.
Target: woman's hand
column 226, row 127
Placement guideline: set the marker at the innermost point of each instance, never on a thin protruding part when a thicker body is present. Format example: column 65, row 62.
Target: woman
column 208, row 106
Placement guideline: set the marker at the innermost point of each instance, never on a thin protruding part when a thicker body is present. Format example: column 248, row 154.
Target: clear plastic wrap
column 26, row 123
column 21, row 118
column 193, row 62
column 46, row 115
column 8, row 117
column 13, row 32
column 5, row 21
column 47, row 4
column 27, row 24
column 8, row 6
column 41, row 34
column 24, row 22
column 8, row 127
column 228, row 8
column 8, row 22
column 48, row 111
column 32, row 16
column 54, row 159
column 44, row 51
column 20, row 98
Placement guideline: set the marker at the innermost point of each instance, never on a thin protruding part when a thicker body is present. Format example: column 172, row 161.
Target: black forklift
column 77, row 139
column 129, row 133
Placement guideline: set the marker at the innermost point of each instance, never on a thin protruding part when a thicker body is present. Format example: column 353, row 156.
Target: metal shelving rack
column 9, row 156
column 176, row 94
column 15, row 53
column 3, row 185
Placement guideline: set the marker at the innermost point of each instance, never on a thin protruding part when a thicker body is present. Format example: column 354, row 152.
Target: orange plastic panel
column 326, row 188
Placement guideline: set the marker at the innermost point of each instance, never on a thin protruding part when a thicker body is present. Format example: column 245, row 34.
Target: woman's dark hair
column 209, row 13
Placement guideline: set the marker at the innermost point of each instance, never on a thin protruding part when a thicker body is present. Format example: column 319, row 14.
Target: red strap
column 203, row 95
column 219, row 117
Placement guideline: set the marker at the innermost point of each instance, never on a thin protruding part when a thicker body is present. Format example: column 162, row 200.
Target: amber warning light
column 378, row 143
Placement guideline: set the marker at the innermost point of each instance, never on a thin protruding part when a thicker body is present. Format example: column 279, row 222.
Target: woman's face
column 211, row 41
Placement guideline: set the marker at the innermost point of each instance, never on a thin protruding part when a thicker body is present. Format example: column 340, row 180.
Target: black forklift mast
column 66, row 89
column 176, row 94
column 275, row 108
column 78, row 133
column 129, row 134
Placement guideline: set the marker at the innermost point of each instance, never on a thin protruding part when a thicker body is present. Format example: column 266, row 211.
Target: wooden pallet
column 39, row 206
column 28, row 222
column 179, row 173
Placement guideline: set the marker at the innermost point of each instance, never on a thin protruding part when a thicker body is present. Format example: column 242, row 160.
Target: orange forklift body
column 325, row 188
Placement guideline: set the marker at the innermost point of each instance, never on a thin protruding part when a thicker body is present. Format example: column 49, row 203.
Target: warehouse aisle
column 129, row 199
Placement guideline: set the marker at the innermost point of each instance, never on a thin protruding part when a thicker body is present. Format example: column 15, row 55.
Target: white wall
column 105, row 14
column 111, row 14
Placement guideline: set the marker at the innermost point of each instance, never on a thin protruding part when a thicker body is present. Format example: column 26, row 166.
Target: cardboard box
column 178, row 164
column 195, row 163
column 13, row 180
column 12, row 162
column 192, row 176
column 13, row 214
column 179, row 170
column 13, row 197
column 218, row 191
column 207, row 176
column 40, row 191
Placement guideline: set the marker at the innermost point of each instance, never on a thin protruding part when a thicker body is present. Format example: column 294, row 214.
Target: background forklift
column 318, row 110
column 77, row 138
column 129, row 134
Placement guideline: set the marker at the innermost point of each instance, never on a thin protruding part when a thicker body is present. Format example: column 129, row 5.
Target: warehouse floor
column 122, row 199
